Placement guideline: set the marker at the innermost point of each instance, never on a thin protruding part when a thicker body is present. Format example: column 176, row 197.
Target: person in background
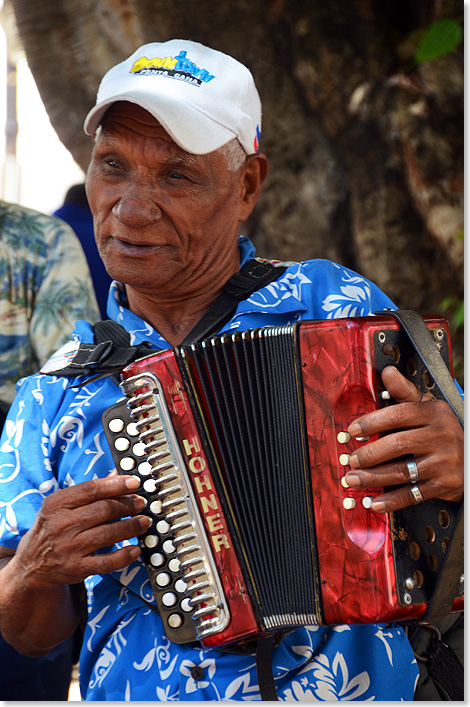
column 76, row 212
column 45, row 285
column 175, row 170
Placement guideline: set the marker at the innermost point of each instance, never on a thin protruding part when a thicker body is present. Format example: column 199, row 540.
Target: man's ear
column 254, row 173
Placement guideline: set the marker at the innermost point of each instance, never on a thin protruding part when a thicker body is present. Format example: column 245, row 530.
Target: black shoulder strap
column 254, row 275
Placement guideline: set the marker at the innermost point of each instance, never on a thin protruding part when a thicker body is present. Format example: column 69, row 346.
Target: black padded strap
column 264, row 668
column 254, row 275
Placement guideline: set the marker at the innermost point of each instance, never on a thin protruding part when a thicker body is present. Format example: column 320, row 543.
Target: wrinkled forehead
column 133, row 118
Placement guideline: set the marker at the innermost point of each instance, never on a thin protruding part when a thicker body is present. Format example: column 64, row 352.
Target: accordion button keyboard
column 171, row 547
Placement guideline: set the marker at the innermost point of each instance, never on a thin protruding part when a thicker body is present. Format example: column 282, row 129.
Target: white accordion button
column 168, row 547
column 144, row 468
column 174, row 565
column 174, row 621
column 122, row 444
column 367, row 501
column 169, row 599
column 131, row 429
column 116, row 425
column 180, row 586
column 349, row 503
column 156, row 507
column 150, row 486
column 343, row 437
column 186, row 606
column 127, row 463
column 151, row 541
column 344, row 459
column 138, row 449
column 163, row 579
column 157, row 559
column 162, row 526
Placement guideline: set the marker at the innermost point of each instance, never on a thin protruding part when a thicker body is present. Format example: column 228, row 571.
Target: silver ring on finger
column 412, row 469
column 417, row 495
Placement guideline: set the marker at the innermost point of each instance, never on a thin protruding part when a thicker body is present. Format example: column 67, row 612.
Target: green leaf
column 440, row 39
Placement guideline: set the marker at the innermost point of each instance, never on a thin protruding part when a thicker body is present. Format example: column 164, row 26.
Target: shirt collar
column 279, row 297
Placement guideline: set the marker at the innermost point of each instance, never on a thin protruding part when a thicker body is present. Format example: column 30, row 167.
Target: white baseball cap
column 202, row 97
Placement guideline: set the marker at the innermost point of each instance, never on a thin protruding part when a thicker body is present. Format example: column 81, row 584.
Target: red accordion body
column 237, row 542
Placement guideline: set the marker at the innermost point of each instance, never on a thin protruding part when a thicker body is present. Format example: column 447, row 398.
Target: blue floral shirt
column 54, row 438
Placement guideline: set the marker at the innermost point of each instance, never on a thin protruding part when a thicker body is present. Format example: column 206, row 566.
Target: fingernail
column 133, row 482
column 352, row 479
column 378, row 506
column 354, row 461
column 145, row 522
column 139, row 502
column 355, row 429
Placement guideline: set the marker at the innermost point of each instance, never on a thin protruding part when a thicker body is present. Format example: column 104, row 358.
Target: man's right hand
column 41, row 584
column 73, row 524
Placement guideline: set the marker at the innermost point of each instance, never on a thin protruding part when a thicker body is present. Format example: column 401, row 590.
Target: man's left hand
column 418, row 427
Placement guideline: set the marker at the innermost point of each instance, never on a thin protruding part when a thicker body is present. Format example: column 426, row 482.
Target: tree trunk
column 366, row 153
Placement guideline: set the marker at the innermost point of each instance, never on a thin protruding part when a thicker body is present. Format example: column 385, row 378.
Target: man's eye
column 177, row 175
column 113, row 163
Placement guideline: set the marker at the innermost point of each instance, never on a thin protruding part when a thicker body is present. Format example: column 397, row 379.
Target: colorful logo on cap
column 178, row 67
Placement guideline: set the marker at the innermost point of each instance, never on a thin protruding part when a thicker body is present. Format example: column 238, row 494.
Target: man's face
column 162, row 216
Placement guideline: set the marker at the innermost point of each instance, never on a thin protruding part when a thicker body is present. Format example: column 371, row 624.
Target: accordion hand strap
column 451, row 570
column 264, row 668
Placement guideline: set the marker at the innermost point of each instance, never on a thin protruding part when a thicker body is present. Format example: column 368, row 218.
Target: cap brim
column 190, row 129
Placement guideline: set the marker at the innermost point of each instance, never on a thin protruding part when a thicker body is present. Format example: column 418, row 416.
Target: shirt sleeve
column 65, row 294
column 26, row 473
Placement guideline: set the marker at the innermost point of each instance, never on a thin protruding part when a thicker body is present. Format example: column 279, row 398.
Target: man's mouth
column 134, row 248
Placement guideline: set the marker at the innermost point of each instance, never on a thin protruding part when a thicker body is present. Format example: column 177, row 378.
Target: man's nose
column 136, row 210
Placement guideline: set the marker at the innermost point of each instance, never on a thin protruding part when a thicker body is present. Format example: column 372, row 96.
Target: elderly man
column 175, row 169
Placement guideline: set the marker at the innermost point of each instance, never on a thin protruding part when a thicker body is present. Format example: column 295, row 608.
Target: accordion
column 241, row 446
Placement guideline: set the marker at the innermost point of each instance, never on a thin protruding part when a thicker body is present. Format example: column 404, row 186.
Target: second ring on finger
column 412, row 469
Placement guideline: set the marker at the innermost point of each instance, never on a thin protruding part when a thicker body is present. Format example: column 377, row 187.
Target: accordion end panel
column 374, row 567
column 188, row 551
